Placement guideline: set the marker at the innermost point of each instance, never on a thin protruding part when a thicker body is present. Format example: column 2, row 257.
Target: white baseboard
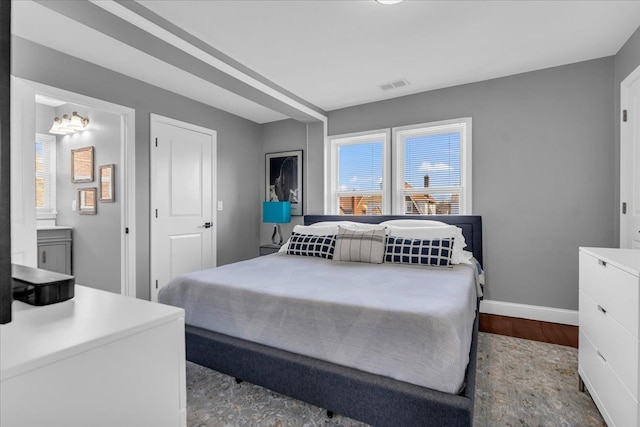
column 532, row 312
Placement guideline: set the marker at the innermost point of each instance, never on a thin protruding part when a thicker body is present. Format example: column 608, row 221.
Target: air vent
column 394, row 85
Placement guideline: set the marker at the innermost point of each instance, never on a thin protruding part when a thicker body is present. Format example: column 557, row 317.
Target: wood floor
column 553, row 333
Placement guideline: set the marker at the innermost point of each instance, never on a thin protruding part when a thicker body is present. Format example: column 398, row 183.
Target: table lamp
column 277, row 213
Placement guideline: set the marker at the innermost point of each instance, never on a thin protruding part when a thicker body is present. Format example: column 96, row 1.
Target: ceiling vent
column 395, row 85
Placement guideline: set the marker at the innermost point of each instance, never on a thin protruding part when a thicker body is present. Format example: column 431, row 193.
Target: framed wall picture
column 82, row 165
column 284, row 179
column 87, row 201
column 107, row 188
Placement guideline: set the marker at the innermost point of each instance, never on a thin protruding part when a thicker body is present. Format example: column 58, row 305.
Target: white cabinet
column 609, row 347
column 99, row 359
column 54, row 249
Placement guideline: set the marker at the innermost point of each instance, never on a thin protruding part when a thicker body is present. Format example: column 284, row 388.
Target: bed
column 353, row 379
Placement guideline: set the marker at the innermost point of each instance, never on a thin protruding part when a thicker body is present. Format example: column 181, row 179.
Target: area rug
column 518, row 383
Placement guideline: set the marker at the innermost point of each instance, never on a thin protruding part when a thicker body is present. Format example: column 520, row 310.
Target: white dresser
column 99, row 359
column 609, row 346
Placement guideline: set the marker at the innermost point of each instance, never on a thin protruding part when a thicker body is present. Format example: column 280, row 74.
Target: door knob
column 208, row 225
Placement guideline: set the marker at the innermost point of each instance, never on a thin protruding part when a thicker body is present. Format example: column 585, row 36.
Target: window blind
column 45, row 158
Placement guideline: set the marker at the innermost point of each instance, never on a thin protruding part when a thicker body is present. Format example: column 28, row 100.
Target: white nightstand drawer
column 615, row 290
column 614, row 342
column 615, row 403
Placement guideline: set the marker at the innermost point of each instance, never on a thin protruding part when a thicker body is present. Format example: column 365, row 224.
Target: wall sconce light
column 68, row 125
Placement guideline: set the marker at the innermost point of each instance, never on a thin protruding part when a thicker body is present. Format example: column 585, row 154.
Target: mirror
column 106, row 183
column 87, row 201
column 82, row 165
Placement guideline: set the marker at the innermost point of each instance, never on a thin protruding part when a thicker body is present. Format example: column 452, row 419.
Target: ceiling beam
column 140, row 28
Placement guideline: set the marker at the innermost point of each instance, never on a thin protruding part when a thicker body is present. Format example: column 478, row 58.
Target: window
column 359, row 183
column 45, row 149
column 433, row 168
column 430, row 173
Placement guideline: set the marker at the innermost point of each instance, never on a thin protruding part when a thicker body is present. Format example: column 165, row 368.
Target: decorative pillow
column 460, row 256
column 312, row 230
column 309, row 245
column 437, row 252
column 360, row 246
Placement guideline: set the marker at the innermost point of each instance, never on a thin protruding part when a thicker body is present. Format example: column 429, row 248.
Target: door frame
column 126, row 186
column 626, row 151
column 155, row 120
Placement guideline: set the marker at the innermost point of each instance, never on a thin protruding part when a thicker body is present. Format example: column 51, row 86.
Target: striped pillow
column 437, row 252
column 310, row 245
column 360, row 246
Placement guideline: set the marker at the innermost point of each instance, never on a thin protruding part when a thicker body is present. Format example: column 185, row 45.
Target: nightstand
column 269, row 249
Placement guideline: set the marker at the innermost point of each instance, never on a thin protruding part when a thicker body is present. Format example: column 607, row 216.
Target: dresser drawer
column 615, row 290
column 54, row 235
column 614, row 342
column 615, row 403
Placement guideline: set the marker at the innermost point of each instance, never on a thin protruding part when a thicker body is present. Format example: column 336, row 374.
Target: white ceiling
column 336, row 54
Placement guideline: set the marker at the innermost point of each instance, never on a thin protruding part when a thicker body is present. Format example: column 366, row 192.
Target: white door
column 23, row 171
column 183, row 188
column 630, row 162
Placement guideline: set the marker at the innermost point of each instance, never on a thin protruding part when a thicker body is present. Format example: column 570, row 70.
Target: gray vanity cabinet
column 54, row 249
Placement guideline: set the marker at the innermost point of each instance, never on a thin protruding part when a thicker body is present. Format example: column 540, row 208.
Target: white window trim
column 393, row 165
column 49, row 213
column 397, row 150
column 331, row 172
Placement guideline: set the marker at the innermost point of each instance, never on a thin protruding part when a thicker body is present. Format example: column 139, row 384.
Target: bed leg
column 580, row 384
column 330, row 414
column 238, row 381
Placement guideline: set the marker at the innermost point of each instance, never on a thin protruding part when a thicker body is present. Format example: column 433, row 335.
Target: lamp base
column 276, row 237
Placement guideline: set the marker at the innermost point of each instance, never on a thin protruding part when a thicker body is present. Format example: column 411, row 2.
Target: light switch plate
column 219, row 205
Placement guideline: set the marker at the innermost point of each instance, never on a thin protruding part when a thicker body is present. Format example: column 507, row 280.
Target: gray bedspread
column 410, row 323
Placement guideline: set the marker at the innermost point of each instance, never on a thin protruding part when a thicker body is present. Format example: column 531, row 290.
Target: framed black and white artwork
column 284, row 179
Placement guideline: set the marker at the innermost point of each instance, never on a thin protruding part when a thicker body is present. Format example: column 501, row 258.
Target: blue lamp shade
column 276, row 212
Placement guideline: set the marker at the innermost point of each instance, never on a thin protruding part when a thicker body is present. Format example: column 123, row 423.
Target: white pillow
column 316, row 230
column 414, row 223
column 460, row 256
column 351, row 225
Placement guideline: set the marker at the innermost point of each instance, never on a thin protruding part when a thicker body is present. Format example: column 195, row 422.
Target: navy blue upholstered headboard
column 471, row 225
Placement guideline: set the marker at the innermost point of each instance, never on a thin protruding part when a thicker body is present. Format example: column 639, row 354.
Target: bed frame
column 371, row 398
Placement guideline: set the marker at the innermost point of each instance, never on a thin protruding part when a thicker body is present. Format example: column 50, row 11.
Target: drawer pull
column 601, row 356
column 601, row 308
column 44, row 257
column 602, row 263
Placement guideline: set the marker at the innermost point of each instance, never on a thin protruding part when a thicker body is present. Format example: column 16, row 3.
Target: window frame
column 332, row 193
column 393, row 196
column 399, row 134
column 50, row 211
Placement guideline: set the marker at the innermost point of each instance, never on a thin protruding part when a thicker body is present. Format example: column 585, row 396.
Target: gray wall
column 96, row 238
column 239, row 142
column 626, row 61
column 543, row 170
column 287, row 135
column 44, row 118
column 315, row 168
column 284, row 135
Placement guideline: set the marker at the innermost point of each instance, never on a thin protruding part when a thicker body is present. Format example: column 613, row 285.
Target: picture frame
column 82, row 165
column 283, row 179
column 87, row 201
column 107, row 183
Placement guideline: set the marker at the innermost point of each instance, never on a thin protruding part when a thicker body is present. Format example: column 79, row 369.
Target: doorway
column 630, row 161
column 183, row 188
column 121, row 146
